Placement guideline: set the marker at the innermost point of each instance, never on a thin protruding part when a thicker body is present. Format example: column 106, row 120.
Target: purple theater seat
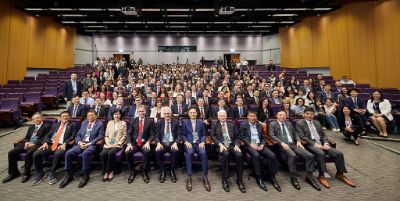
column 3, row 95
column 13, row 82
column 50, row 121
column 32, row 102
column 5, row 90
column 10, row 110
column 275, row 108
column 118, row 155
column 20, row 96
column 29, row 78
column 50, row 96
column 138, row 156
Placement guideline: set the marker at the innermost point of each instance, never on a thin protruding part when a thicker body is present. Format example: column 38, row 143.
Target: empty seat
column 10, row 111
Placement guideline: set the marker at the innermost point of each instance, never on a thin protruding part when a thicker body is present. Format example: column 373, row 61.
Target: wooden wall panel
column 284, row 39
column 50, row 46
column 5, row 12
column 294, row 46
column 61, row 47
column 36, row 41
column 306, row 44
column 70, row 47
column 320, row 49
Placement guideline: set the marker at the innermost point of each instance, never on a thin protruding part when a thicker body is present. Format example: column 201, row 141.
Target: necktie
column 355, row 103
column 139, row 140
column 168, row 132
column 58, row 136
column 284, row 134
column 328, row 94
column 206, row 100
column 225, row 134
column 75, row 111
column 35, row 131
column 179, row 109
column 314, row 133
column 90, row 126
column 240, row 112
column 85, row 101
column 201, row 112
column 98, row 110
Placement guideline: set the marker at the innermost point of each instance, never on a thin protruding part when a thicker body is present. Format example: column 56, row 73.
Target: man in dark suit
column 221, row 106
column 152, row 101
column 188, row 99
column 320, row 86
column 180, row 108
column 56, row 143
column 194, row 136
column 28, row 145
column 170, row 100
column 133, row 113
column 101, row 110
column 255, row 144
column 249, row 92
column 76, row 109
column 139, row 137
column 168, row 136
column 202, row 110
column 338, row 87
column 282, row 132
column 119, row 106
column 226, row 136
column 240, row 111
column 312, row 133
column 275, row 99
column 358, row 107
column 327, row 93
column 266, row 92
column 71, row 88
column 307, row 88
column 91, row 132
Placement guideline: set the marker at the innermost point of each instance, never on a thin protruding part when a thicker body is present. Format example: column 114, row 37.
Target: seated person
column 139, row 137
column 240, row 111
column 99, row 108
column 189, row 100
column 85, row 99
column 157, row 112
column 356, row 105
column 76, row 110
column 133, row 112
column 327, row 93
column 194, row 137
column 91, row 132
column 381, row 112
column 29, row 145
column 56, row 142
column 346, row 80
column 152, row 101
column 312, row 133
column 264, row 111
column 180, row 108
column 282, row 132
column 202, row 110
column 275, row 99
column 255, row 144
column 114, row 139
column 168, row 136
column 118, row 106
column 350, row 125
column 298, row 108
column 221, row 106
column 226, row 136
column 330, row 110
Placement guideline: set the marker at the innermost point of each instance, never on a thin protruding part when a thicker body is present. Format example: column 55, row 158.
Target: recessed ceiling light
column 34, row 9
column 241, row 9
column 205, row 9
column 178, row 22
column 88, row 22
column 111, row 22
column 178, row 15
column 267, row 22
column 222, row 22
column 72, row 15
column 199, row 22
column 244, row 22
column 155, row 22
column 296, row 9
column 260, row 26
column 265, row 9
column 284, row 15
column 178, row 26
column 287, row 22
column 68, row 22
column 90, row 9
column 61, row 9
column 95, row 26
column 113, row 9
column 133, row 22
column 150, row 9
column 178, row 9
column 322, row 8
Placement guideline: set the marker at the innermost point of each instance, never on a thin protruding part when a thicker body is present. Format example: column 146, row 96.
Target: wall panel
column 5, row 11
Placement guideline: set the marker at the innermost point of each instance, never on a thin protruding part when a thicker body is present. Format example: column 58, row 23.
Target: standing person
column 71, row 88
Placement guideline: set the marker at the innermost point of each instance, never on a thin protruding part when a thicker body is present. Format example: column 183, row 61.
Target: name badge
column 112, row 141
column 195, row 137
column 166, row 138
column 254, row 139
column 87, row 135
column 34, row 139
column 141, row 137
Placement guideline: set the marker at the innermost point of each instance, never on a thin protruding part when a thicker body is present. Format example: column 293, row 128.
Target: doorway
column 230, row 60
column 120, row 56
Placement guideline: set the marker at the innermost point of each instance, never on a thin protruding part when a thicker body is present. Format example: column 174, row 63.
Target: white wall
column 83, row 49
column 252, row 47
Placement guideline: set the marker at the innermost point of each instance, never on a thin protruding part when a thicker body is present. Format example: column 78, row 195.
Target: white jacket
column 385, row 107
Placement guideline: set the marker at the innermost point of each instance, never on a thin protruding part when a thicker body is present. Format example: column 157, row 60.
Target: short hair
column 92, row 111
column 297, row 100
column 279, row 112
column 65, row 112
column 355, row 89
column 117, row 111
column 221, row 111
column 251, row 112
column 192, row 108
column 37, row 114
column 308, row 109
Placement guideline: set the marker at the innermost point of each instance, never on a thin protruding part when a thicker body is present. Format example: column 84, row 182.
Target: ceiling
column 178, row 16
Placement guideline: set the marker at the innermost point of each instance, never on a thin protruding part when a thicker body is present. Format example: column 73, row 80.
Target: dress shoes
column 345, row 180
column 67, row 179
column 162, row 177
column 10, row 177
column 38, row 179
column 84, row 181
column 173, row 176
column 275, row 184
column 145, row 176
column 261, row 184
column 189, row 184
column 131, row 177
column 312, row 182
column 225, row 185
column 241, row 186
column 25, row 178
column 206, row 184
column 295, row 183
column 324, row 182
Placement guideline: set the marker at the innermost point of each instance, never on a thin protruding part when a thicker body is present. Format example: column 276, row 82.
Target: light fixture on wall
column 231, row 49
column 120, row 50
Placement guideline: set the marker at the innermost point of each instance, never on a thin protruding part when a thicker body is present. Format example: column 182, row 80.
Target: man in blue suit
column 194, row 136
column 71, row 88
column 76, row 109
column 119, row 106
column 91, row 132
column 133, row 112
column 168, row 135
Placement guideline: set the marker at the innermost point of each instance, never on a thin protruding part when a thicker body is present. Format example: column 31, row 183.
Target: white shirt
column 61, row 140
column 283, row 125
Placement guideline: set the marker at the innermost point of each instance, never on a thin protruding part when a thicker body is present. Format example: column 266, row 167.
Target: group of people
column 173, row 108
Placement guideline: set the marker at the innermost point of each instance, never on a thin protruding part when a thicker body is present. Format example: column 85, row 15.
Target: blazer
column 323, row 96
column 121, row 134
column 215, row 110
column 305, row 133
column 262, row 116
column 217, row 133
column 175, row 110
column 79, row 113
column 175, row 130
column 272, row 102
column 355, row 121
column 103, row 112
column 206, row 112
column 96, row 135
column 148, row 128
column 246, row 133
column 192, row 102
column 149, row 102
column 70, row 133
column 68, row 91
column 275, row 132
column 41, row 133
column 235, row 112
column 352, row 105
column 385, row 107
column 187, row 131
column 153, row 112
column 124, row 110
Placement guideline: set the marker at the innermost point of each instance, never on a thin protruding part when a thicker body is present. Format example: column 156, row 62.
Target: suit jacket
column 41, row 133
column 265, row 94
column 246, row 133
column 206, row 112
column 235, row 112
column 217, row 134
column 149, row 102
column 262, row 116
column 324, row 96
column 310, row 88
column 119, row 138
column 175, row 130
column 79, row 113
column 272, row 102
column 96, row 135
column 175, row 111
column 124, row 110
column 70, row 132
column 192, row 102
column 68, row 91
column 305, row 133
column 275, row 132
column 166, row 101
column 187, row 131
column 148, row 128
column 103, row 112
column 215, row 110
column 352, row 105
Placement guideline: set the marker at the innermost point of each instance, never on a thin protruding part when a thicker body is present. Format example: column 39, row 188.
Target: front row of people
column 307, row 140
